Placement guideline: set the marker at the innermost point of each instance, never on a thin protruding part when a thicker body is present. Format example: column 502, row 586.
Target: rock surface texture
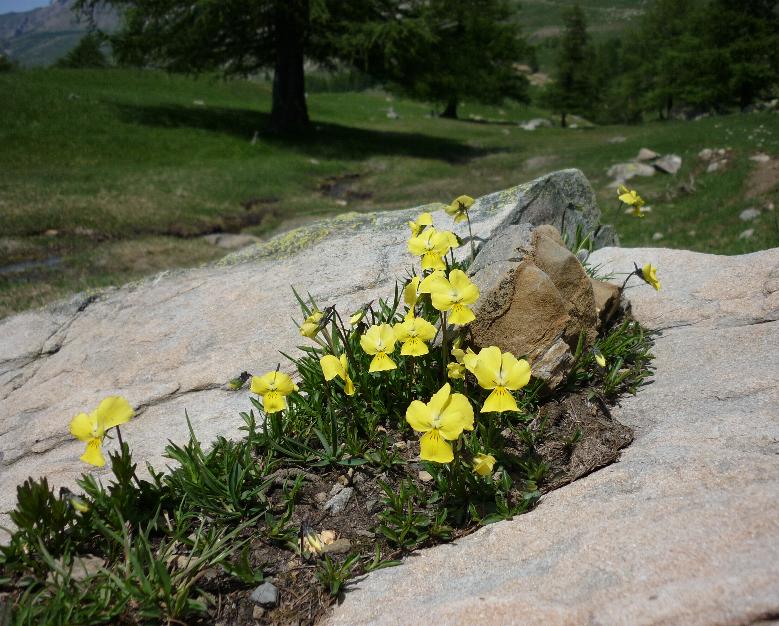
column 684, row 529
column 170, row 344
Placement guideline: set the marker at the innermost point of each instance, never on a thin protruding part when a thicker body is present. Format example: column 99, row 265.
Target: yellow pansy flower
column 632, row 199
column 649, row 274
column 483, row 464
column 431, row 245
column 599, row 358
column 91, row 428
column 458, row 353
column 454, row 294
column 379, row 341
column 411, row 294
column 337, row 366
column 503, row 373
column 455, row 371
column 459, row 208
column 442, row 420
column 310, row 326
column 273, row 388
column 414, row 333
column 356, row 317
column 424, row 219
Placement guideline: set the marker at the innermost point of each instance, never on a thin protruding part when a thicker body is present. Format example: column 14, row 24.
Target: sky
column 9, row 6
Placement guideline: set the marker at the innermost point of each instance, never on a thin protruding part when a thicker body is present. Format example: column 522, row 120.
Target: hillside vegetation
column 110, row 175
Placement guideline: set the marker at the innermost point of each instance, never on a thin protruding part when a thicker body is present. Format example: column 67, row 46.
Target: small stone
column 340, row 202
column 760, row 157
column 343, row 479
column 425, row 477
column 657, row 236
column 327, row 536
column 769, row 206
column 358, row 479
column 716, row 165
column 320, row 497
column 338, row 502
column 339, row 546
column 371, row 504
column 617, row 139
column 645, row 154
column 51, row 232
column 391, row 114
column 366, row 533
column 706, row 154
column 257, row 612
column 314, row 161
column 747, row 215
column 747, row 234
column 335, row 489
column 669, row 164
column 400, row 445
column 266, row 595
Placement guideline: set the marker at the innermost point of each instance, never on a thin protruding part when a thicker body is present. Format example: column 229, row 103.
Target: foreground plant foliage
column 392, row 434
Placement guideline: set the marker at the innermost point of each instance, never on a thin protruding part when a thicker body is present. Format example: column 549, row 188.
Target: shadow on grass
column 325, row 140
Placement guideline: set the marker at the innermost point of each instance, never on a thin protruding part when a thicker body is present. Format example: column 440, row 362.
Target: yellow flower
column 411, row 294
column 431, row 245
column 337, row 366
column 442, row 420
column 459, row 208
column 92, row 428
column 649, row 274
column 455, row 371
column 454, row 294
column 600, row 359
column 632, row 199
column 424, row 219
column 379, row 341
column 414, row 333
column 483, row 464
column 310, row 326
column 356, row 317
column 273, row 387
column 458, row 353
column 503, row 373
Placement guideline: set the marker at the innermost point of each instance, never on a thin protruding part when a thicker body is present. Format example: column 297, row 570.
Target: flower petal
column 483, row 464
column 381, row 363
column 284, row 383
column 261, row 384
column 331, row 367
column 112, row 411
column 273, row 402
column 434, row 448
column 429, row 283
column 456, row 417
column 498, row 401
column 467, row 291
column 516, row 372
column 387, row 337
column 414, row 346
column 82, row 426
column 94, row 453
column 418, row 416
column 487, row 367
column 433, row 260
column 461, row 315
column 348, row 386
column 439, row 400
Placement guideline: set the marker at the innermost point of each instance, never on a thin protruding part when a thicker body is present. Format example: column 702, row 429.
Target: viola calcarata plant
column 388, row 431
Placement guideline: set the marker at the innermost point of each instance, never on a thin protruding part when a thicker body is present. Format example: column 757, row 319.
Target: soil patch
column 763, row 180
column 341, row 187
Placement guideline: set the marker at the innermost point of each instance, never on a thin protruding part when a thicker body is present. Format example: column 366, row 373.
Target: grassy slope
column 117, row 161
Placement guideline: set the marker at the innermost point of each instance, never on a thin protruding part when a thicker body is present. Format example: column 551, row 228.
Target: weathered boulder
column 622, row 172
column 668, row 164
column 684, row 529
column 170, row 343
column 536, row 299
column 645, row 154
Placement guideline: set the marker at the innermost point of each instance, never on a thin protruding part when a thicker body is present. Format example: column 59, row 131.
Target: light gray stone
column 538, row 122
column 231, row 241
column 760, row 157
column 746, row 234
column 747, row 215
column 621, row 172
column 645, row 154
column 668, row 164
column 706, row 154
column 266, row 595
column 337, row 504
column 169, row 344
column 684, row 529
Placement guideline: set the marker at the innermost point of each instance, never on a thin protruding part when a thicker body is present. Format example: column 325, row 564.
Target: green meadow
column 110, row 175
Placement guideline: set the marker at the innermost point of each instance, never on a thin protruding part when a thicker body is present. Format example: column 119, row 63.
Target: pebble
column 760, row 158
column 336, row 488
column 425, row 477
column 747, row 234
column 747, row 215
column 657, row 236
column 339, row 546
column 257, row 612
column 320, row 497
column 338, row 502
column 265, row 595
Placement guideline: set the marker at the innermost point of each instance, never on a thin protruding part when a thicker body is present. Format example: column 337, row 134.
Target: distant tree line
column 684, row 56
column 447, row 51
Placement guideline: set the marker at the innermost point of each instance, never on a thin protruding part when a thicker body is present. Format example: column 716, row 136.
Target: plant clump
column 392, row 433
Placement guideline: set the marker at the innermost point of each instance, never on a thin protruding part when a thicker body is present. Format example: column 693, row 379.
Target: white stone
column 747, row 215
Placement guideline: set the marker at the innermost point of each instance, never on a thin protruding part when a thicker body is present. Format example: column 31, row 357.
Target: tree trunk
column 562, row 119
column 450, row 112
column 289, row 113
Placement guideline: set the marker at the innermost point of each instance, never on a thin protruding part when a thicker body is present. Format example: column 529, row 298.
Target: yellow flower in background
column 357, row 317
column 454, row 294
column 632, row 199
column 483, row 464
column 442, row 420
column 459, row 208
column 424, row 219
column 454, row 242
column 337, row 366
column 455, row 371
column 431, row 246
column 414, row 333
column 91, row 428
column 310, row 326
column 649, row 274
column 600, row 359
column 501, row 372
column 273, row 388
column 458, row 353
column 379, row 341
column 411, row 294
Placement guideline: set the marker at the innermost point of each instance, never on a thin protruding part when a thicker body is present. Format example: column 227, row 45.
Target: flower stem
column 470, row 237
column 443, row 343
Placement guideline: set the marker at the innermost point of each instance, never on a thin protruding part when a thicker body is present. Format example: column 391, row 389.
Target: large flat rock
column 684, row 529
column 169, row 344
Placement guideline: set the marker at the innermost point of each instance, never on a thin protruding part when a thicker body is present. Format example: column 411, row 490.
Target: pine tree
column 572, row 90
column 86, row 54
